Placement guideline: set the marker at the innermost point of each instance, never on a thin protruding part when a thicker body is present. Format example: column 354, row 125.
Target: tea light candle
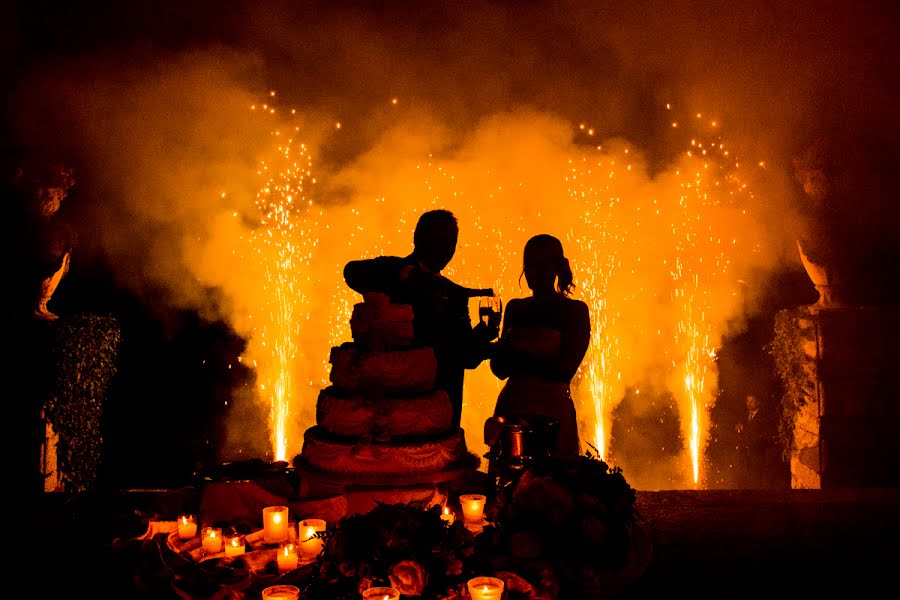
column 234, row 545
column 448, row 516
column 212, row 540
column 281, row 592
column 310, row 546
column 275, row 524
column 473, row 508
column 382, row 593
column 288, row 557
column 187, row 526
column 486, row 588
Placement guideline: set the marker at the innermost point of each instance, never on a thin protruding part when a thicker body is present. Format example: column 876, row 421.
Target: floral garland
column 398, row 545
column 565, row 528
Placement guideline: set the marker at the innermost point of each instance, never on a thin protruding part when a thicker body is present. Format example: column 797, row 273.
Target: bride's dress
column 531, row 394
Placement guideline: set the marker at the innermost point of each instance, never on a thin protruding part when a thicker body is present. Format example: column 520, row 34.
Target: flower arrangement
column 569, row 527
column 406, row 547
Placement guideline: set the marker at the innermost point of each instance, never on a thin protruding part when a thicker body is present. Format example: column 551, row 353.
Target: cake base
column 334, row 481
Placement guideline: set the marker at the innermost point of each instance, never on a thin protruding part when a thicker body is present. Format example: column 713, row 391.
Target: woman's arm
column 575, row 341
column 502, row 356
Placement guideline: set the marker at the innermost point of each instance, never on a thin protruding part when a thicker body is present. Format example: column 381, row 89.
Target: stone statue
column 41, row 188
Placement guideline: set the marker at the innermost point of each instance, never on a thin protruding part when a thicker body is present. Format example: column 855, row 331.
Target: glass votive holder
column 310, row 545
column 381, row 593
column 187, row 526
column 447, row 515
column 288, row 557
column 472, row 508
column 234, row 545
column 486, row 588
column 281, row 592
column 275, row 524
column 212, row 540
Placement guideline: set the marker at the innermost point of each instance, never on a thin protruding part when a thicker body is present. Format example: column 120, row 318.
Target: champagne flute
column 490, row 309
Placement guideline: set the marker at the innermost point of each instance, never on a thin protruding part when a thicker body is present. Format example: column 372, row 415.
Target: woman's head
column 544, row 264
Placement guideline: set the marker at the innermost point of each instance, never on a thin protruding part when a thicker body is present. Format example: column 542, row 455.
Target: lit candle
column 473, row 508
column 382, row 593
column 212, row 540
column 187, row 526
column 448, row 516
column 288, row 557
column 486, row 588
column 310, row 546
column 275, row 524
column 281, row 592
column 234, row 545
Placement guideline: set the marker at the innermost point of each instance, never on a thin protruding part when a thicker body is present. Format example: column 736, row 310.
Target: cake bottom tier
column 328, row 453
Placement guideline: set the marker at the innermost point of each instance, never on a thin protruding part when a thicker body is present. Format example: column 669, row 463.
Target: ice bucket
column 517, row 440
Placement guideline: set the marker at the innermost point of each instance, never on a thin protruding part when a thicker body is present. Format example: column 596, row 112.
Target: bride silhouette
column 543, row 341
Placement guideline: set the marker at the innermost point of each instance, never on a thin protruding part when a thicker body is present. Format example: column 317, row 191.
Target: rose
column 363, row 584
column 454, row 566
column 408, row 577
column 593, row 530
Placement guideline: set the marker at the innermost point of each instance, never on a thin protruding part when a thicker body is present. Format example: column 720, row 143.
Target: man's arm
column 381, row 274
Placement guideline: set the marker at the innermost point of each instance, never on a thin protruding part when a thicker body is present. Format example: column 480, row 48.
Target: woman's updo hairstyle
column 548, row 245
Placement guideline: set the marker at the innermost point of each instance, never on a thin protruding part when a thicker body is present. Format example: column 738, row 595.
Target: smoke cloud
column 572, row 118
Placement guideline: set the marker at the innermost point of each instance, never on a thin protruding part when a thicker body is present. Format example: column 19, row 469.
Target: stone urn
column 830, row 282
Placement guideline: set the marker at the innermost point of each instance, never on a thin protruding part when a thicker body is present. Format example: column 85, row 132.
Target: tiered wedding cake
column 381, row 421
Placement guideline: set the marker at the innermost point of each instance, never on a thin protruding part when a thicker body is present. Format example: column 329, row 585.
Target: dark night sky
column 778, row 72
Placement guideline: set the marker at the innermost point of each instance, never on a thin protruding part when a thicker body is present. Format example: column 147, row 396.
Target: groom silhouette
column 440, row 306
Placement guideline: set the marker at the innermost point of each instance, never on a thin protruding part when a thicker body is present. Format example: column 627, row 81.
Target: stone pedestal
column 847, row 434
column 53, row 480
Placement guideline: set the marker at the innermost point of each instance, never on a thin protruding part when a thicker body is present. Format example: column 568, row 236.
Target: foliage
column 792, row 367
column 83, row 354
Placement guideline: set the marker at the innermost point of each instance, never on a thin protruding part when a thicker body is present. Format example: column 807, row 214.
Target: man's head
column 752, row 402
column 435, row 239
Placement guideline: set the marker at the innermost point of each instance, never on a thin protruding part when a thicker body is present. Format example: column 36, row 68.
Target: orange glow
column 657, row 259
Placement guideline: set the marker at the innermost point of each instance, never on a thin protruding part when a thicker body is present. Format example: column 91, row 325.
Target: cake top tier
column 381, row 325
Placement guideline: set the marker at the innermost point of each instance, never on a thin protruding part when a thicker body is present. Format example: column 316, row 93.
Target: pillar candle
column 473, row 508
column 212, row 540
column 381, row 593
column 275, row 524
column 288, row 557
column 486, row 588
column 234, row 545
column 310, row 546
column 448, row 516
column 281, row 592
column 187, row 527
